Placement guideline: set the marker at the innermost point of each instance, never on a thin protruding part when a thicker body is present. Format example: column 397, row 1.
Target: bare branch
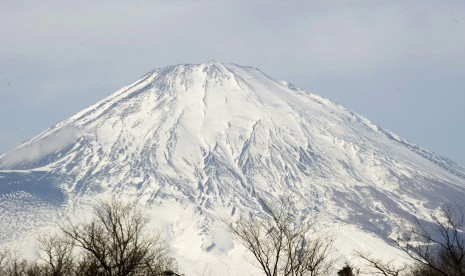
column 281, row 246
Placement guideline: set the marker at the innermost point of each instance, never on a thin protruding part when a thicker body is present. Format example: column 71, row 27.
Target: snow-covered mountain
column 199, row 144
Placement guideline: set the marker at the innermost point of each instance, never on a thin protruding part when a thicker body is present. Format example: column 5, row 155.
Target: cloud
column 40, row 148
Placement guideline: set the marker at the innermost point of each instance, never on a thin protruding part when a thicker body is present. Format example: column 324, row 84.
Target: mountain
column 196, row 145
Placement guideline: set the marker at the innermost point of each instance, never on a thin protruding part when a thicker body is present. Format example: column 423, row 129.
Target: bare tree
column 57, row 255
column 4, row 254
column 14, row 266
column 381, row 267
column 115, row 244
column 439, row 249
column 282, row 246
column 436, row 249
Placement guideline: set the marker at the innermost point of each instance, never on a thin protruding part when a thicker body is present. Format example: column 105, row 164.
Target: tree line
column 116, row 242
column 281, row 245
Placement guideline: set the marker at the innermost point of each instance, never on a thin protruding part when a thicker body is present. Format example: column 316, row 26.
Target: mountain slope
column 209, row 140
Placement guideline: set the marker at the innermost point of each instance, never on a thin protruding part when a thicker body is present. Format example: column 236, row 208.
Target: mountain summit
column 198, row 144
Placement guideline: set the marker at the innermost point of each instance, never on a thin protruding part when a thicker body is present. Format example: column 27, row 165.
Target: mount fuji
column 199, row 144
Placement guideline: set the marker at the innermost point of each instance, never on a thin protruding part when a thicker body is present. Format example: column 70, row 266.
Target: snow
column 197, row 145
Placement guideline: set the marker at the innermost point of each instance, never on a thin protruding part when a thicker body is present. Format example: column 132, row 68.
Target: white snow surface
column 198, row 145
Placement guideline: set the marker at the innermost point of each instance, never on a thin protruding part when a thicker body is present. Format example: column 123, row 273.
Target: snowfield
column 197, row 145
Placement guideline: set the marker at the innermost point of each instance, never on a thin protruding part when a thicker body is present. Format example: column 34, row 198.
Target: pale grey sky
column 399, row 63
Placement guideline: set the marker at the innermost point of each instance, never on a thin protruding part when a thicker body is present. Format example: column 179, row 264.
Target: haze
column 399, row 63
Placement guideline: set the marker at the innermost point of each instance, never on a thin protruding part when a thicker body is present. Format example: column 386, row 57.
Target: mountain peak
column 212, row 140
column 209, row 69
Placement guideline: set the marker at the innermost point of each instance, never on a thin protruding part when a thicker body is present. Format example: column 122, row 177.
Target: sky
column 400, row 63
